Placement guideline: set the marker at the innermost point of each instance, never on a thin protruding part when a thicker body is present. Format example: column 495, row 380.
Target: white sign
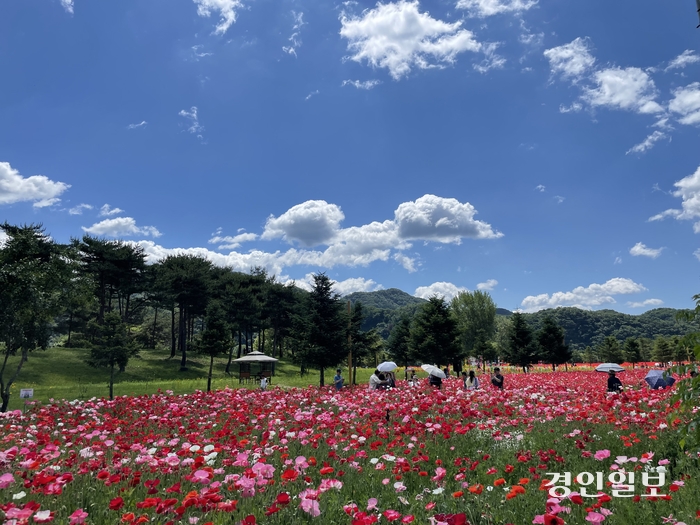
column 26, row 393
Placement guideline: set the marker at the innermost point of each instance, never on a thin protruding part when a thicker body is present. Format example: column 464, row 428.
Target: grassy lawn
column 62, row 373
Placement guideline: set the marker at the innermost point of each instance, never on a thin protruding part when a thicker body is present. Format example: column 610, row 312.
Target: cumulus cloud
column 67, row 5
column 688, row 189
column 355, row 284
column 232, row 242
column 226, row 9
column 540, row 187
column 367, row 84
column 629, row 89
column 442, row 289
column 398, row 37
column 106, row 211
column 686, row 58
column 640, row 250
column 487, row 286
column 38, row 189
column 310, row 223
column 588, row 297
column 78, row 210
column 686, row 102
column 648, row 302
column 484, row 8
column 3, row 238
column 572, row 60
column 120, row 227
column 315, row 223
column 440, row 219
column 647, row 143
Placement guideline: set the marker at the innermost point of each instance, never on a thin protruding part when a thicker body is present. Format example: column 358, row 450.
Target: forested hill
column 384, row 299
column 589, row 328
column 384, row 308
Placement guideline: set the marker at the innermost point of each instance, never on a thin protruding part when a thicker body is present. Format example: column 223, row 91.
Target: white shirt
column 374, row 382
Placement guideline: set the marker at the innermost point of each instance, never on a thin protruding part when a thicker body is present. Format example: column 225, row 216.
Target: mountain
column 384, row 299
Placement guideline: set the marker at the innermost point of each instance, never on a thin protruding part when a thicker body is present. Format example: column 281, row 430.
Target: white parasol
column 434, row 371
column 387, row 366
column 609, row 367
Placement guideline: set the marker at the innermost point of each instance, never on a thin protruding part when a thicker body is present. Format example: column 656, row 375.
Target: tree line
column 101, row 295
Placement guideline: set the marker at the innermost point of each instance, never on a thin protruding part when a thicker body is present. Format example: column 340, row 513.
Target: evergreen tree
column 553, row 349
column 663, row 351
column 215, row 339
column 632, row 351
column 434, row 334
column 112, row 346
column 325, row 329
column 398, row 345
column 33, row 274
column 522, row 349
column 610, row 351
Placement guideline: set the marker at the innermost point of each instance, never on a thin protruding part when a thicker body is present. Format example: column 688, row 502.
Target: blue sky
column 544, row 150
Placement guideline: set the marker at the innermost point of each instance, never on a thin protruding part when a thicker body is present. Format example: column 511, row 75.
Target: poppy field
column 355, row 457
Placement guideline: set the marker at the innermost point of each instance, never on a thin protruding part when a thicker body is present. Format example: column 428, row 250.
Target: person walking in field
column 338, row 380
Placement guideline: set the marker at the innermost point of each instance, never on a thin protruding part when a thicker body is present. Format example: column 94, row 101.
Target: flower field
column 354, row 457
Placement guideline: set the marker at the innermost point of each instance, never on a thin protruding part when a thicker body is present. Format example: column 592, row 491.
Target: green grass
column 62, row 373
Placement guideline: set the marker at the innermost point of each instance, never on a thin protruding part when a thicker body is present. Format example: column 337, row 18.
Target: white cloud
column 195, row 126
column 367, row 84
column 559, row 199
column 225, row 8
column 310, row 223
column 106, row 210
column 78, row 210
column 592, row 295
column 441, row 220
column 139, row 125
column 640, row 249
column 314, row 223
column 570, row 60
column 648, row 302
column 197, row 52
column 409, row 263
column 491, row 61
column 540, row 187
column 3, row 238
column 231, row 243
column 312, row 94
column 67, row 5
column 688, row 189
column 120, row 227
column 647, row 143
column 38, row 189
column 484, row 8
column 629, row 89
column 618, row 260
column 398, row 37
column 442, row 289
column 686, row 102
column 488, row 285
column 355, row 284
column 575, row 107
column 686, row 58
column 295, row 39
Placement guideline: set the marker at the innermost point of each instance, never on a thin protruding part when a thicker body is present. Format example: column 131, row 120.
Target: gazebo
column 266, row 366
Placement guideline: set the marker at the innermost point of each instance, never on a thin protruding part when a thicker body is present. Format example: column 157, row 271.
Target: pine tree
column 553, row 349
column 434, row 334
column 522, row 349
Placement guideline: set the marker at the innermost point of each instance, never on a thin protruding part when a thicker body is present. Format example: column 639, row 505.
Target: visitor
column 263, row 383
column 374, row 380
column 413, row 380
column 383, row 382
column 470, row 382
column 338, row 380
column 614, row 383
column 497, row 378
column 391, row 378
column 435, row 381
